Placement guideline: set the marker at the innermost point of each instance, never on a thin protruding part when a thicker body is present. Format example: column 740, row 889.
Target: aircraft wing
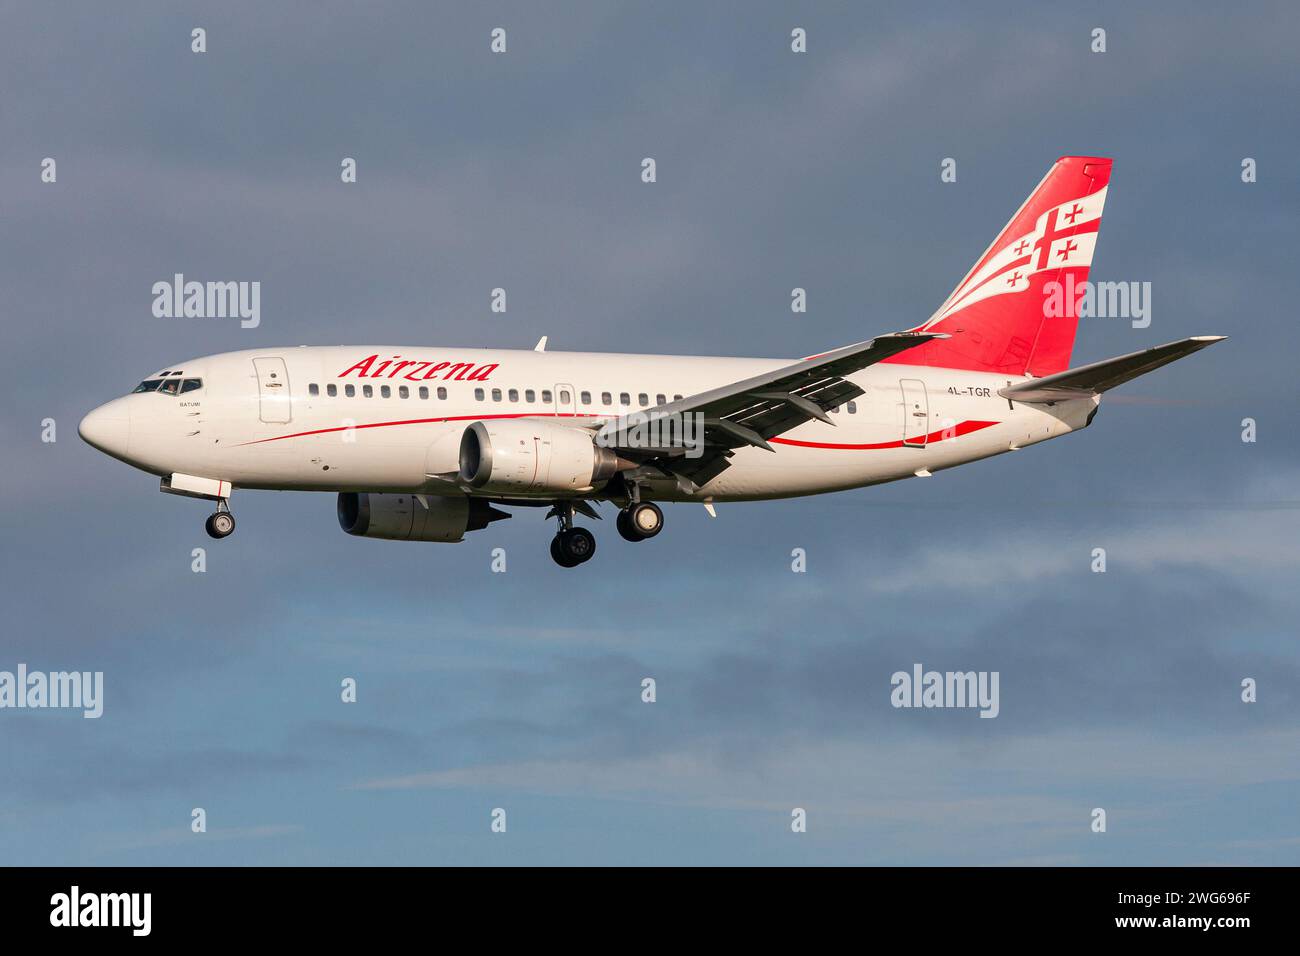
column 751, row 411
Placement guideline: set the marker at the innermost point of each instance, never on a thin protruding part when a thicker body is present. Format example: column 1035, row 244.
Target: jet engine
column 414, row 518
column 529, row 456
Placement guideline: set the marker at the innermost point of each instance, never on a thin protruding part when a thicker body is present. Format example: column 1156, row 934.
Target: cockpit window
column 169, row 386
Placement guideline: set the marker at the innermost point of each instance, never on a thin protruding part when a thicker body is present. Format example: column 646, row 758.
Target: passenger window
column 546, row 396
column 852, row 407
column 661, row 399
column 677, row 398
column 478, row 394
column 403, row 392
column 331, row 390
column 644, row 399
column 193, row 385
column 385, row 391
column 171, row 386
column 514, row 395
column 424, row 391
column 442, row 392
column 312, row 389
column 624, row 398
column 564, row 396
column 586, row 398
column 606, row 398
column 496, row 394
column 368, row 391
column 530, row 396
column 350, row 391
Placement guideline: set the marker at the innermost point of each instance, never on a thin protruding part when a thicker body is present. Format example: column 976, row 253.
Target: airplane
column 428, row 444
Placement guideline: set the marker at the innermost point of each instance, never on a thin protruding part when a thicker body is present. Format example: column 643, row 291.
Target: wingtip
column 1208, row 339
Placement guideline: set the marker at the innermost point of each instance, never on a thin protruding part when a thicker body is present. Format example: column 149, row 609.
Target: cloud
column 183, row 836
column 1253, row 547
column 1008, row 803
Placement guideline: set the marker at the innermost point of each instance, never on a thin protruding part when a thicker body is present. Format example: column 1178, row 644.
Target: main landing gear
column 221, row 523
column 573, row 546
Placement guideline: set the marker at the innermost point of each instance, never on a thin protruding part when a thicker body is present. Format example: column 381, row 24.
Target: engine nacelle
column 404, row 518
column 528, row 456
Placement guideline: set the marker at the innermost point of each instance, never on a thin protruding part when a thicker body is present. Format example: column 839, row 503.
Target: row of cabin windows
column 368, row 391
column 584, row 398
column 530, row 396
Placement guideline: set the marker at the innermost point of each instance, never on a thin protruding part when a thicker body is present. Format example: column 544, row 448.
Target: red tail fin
column 996, row 314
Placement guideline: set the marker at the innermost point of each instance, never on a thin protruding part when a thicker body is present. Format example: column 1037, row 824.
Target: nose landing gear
column 221, row 523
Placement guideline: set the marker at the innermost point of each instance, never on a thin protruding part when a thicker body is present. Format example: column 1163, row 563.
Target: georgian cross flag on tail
column 996, row 314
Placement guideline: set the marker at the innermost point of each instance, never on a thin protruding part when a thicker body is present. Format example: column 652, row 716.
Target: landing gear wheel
column 220, row 524
column 558, row 556
column 640, row 521
column 572, row 547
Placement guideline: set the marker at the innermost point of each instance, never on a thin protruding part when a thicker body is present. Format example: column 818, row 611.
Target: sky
column 522, row 690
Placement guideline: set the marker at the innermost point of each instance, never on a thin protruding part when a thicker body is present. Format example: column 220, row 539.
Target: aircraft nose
column 107, row 428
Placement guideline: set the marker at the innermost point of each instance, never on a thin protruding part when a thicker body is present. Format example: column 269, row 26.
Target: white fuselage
column 265, row 418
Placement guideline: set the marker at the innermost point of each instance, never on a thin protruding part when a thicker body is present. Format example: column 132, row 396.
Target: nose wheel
column 221, row 523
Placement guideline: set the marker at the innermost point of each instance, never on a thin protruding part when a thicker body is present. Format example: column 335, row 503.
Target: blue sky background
column 522, row 690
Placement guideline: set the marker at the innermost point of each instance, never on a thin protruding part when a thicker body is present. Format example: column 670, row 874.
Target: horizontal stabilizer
column 1088, row 380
